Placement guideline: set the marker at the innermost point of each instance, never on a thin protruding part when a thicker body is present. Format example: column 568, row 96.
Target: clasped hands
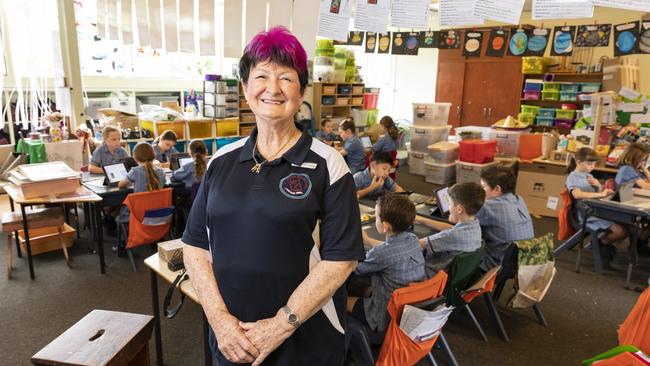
column 242, row 342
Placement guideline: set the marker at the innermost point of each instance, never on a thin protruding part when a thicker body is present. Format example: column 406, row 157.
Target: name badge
column 306, row 165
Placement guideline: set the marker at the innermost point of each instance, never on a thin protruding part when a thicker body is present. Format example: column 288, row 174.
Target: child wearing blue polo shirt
column 374, row 180
column 466, row 199
column 388, row 142
column 504, row 217
column 192, row 172
column 634, row 167
column 391, row 264
column 109, row 152
column 352, row 150
column 163, row 147
column 326, row 133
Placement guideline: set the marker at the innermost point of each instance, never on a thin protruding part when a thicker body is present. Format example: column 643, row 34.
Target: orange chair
column 141, row 230
column 398, row 348
column 635, row 330
column 484, row 286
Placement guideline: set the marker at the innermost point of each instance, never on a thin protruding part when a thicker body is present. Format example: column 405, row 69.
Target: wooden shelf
column 535, row 101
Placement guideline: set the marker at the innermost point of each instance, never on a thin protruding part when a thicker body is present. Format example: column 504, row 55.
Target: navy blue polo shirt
column 258, row 229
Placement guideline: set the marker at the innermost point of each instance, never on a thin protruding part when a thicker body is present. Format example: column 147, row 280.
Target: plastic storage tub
column 177, row 126
column 530, row 146
column 564, row 123
column 507, row 143
column 431, row 114
column 357, row 89
column 589, row 87
column 345, row 89
column 328, row 100
column 569, row 87
column 526, row 118
column 544, row 121
column 550, row 95
column 470, row 172
column 223, row 141
column 472, row 133
column 533, row 84
column 568, row 96
column 552, row 86
column 443, row 152
column 200, row 129
column 477, row 151
column 529, row 109
column 439, row 173
column 343, row 101
column 532, row 94
column 329, row 89
column 227, row 127
column 565, row 114
column 546, row 112
column 423, row 136
column 416, row 162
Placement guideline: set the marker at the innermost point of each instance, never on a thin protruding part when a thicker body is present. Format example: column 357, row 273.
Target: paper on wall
column 562, row 9
column 409, row 14
column 639, row 5
column 457, row 12
column 372, row 16
column 333, row 19
column 507, row 11
column 551, row 203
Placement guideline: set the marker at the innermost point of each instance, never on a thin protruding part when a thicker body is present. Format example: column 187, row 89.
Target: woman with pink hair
column 274, row 230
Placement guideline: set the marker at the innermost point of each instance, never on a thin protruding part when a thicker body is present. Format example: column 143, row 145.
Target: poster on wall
column 518, row 42
column 595, row 35
column 537, row 42
column 506, row 11
column 372, row 15
column 399, row 43
column 384, row 43
column 428, row 39
column 334, row 19
column 412, row 43
column 409, row 13
column 371, row 42
column 453, row 13
column 626, row 38
column 496, row 46
column 638, row 5
column 562, row 9
column 473, row 42
column 405, row 43
column 644, row 38
column 355, row 38
column 449, row 39
column 563, row 41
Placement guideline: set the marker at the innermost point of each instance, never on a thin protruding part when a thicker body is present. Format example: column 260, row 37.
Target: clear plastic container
column 423, row 136
column 443, row 152
column 590, row 87
column 439, row 173
column 470, row 172
column 550, row 95
column 507, row 142
column 416, row 162
column 431, row 114
column 546, row 112
column 565, row 114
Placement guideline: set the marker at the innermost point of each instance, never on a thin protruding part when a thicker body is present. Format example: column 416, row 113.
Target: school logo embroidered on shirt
column 295, row 186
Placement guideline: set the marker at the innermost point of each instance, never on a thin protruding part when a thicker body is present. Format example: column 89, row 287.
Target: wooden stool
column 101, row 338
column 36, row 219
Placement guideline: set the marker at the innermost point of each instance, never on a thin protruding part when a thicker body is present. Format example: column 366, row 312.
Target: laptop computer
column 183, row 161
column 114, row 173
column 625, row 195
column 365, row 140
column 173, row 160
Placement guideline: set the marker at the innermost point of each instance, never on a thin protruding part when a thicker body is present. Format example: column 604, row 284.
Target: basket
column 529, row 109
column 551, row 95
column 551, row 86
column 546, row 112
column 565, row 114
column 532, row 94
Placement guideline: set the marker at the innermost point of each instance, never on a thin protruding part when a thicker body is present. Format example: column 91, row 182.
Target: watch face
column 293, row 318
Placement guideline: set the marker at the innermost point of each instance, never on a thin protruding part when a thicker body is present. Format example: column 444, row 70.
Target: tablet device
column 173, row 160
column 129, row 163
column 114, row 173
column 183, row 161
column 365, row 140
column 443, row 200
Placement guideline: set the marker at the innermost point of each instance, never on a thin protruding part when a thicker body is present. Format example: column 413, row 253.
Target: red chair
column 151, row 218
column 635, row 330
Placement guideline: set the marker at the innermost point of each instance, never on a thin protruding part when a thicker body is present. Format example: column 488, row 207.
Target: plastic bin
column 431, row 114
column 550, row 95
column 568, row 96
column 533, row 84
column 328, row 100
column 564, row 123
column 532, row 94
column 551, row 86
column 223, row 141
column 343, row 101
column 470, row 172
column 533, row 65
column 329, row 89
column 565, row 114
column 569, row 106
column 507, row 143
column 472, row 133
column 530, row 146
column 443, row 152
column 357, row 90
column 439, row 173
column 177, row 126
column 526, row 118
column 370, row 100
column 529, row 109
column 200, row 129
column 416, row 162
column 546, row 112
column 589, row 87
column 227, row 127
column 209, row 143
column 477, row 151
column 423, row 136
column 345, row 89
column 358, row 101
column 544, row 121
column 569, row 87
column 247, row 117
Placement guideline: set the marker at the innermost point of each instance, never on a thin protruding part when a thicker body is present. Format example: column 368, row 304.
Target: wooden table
column 16, row 196
column 159, row 268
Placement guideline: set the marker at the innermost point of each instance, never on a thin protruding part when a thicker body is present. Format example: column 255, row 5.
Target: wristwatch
column 292, row 318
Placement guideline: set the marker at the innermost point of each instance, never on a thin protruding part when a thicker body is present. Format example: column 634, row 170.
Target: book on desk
column 45, row 179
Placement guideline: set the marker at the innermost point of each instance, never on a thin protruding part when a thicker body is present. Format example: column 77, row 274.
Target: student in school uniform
column 581, row 185
column 388, row 142
column 504, row 217
column 391, row 264
column 144, row 178
column 352, row 150
column 109, row 152
column 633, row 167
column 192, row 172
column 466, row 199
column 163, row 147
column 374, row 180
column 326, row 133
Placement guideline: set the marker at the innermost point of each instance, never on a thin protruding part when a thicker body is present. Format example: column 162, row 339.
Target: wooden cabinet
column 333, row 100
column 482, row 90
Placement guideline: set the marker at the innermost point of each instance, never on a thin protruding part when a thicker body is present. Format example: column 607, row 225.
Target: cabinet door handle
column 484, row 112
column 490, row 113
column 458, row 112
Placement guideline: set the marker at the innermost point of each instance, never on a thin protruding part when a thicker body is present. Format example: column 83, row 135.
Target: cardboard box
column 169, row 249
column 125, row 119
column 540, row 186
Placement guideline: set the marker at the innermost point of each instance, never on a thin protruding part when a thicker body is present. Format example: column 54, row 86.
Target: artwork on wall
column 496, row 46
column 473, row 42
column 563, row 37
column 518, row 42
column 371, row 42
column 355, row 38
column 449, row 39
column 595, row 35
column 384, row 43
column 428, row 39
column 626, row 39
column 537, row 41
column 644, row 38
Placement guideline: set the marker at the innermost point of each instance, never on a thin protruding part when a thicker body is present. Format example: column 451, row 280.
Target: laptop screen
column 442, row 196
column 183, row 161
column 366, row 142
column 115, row 172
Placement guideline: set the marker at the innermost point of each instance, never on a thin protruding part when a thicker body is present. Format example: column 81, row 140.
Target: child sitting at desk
column 504, row 217
column 374, row 181
column 110, row 152
column 466, row 199
column 352, row 150
column 633, row 167
column 163, row 146
column 145, row 178
column 388, row 142
column 326, row 133
column 192, row 172
column 391, row 264
column 581, row 184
